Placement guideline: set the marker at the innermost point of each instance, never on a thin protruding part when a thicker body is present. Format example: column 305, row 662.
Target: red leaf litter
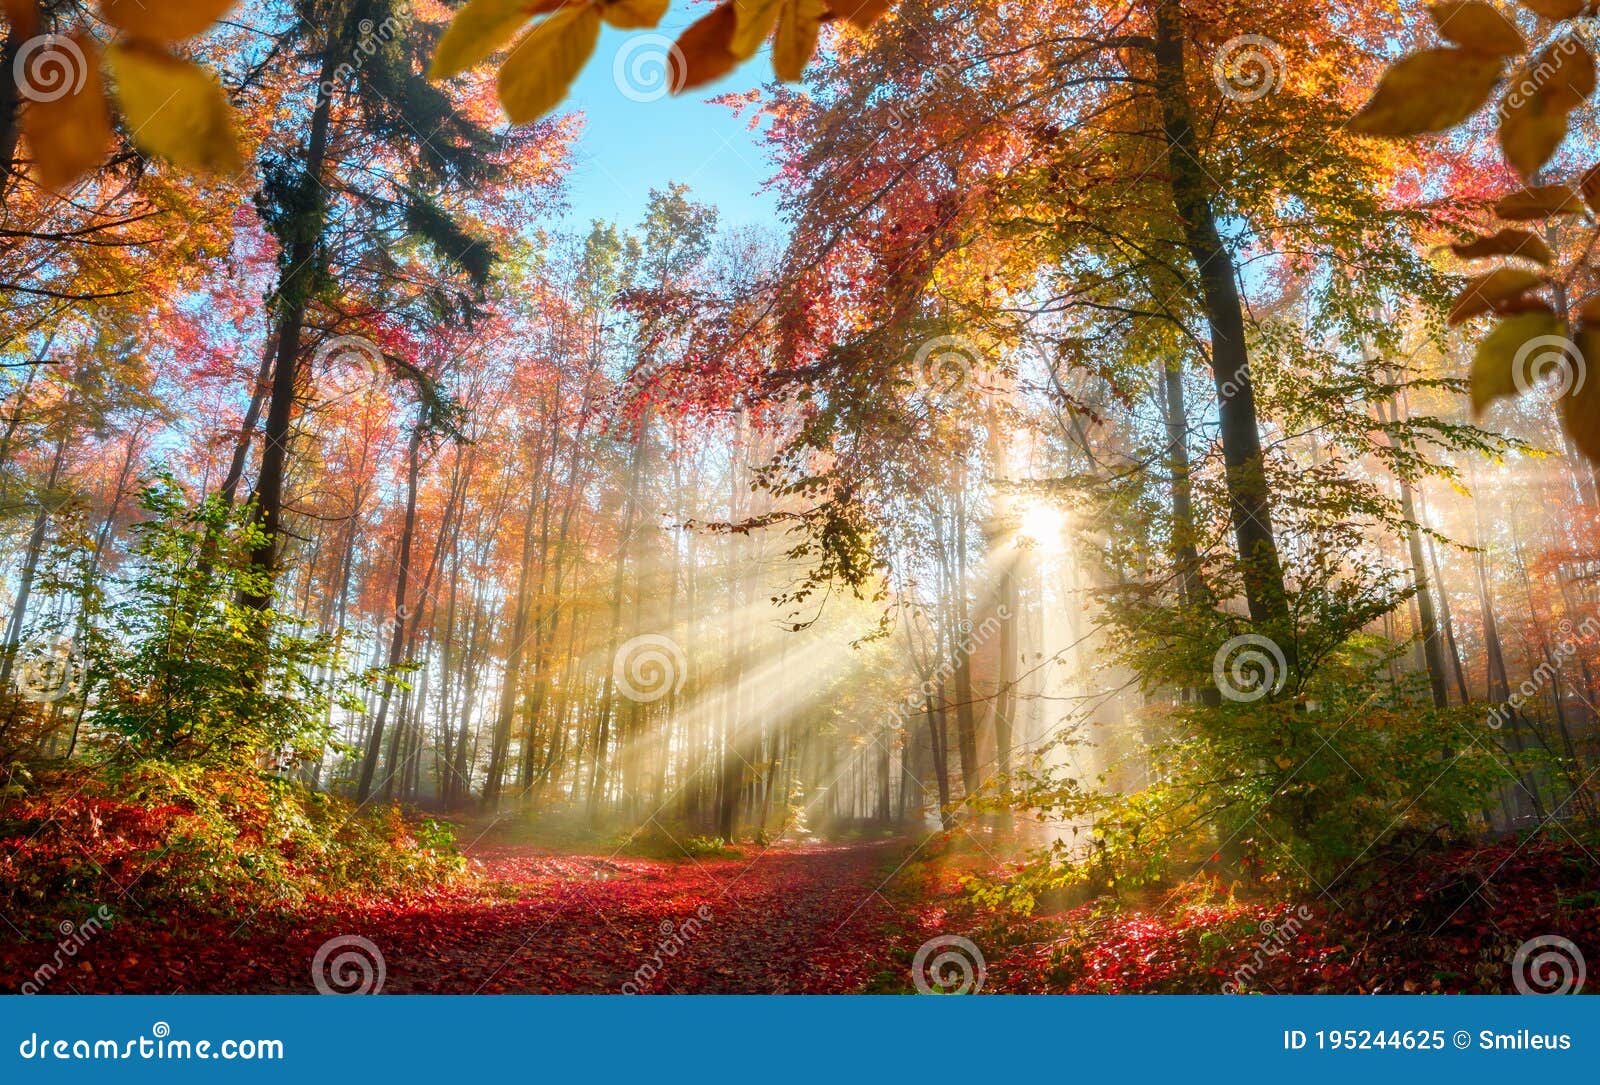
column 790, row 919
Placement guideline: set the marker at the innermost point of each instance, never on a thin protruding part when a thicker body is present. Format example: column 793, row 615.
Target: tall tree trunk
column 305, row 266
column 1249, row 496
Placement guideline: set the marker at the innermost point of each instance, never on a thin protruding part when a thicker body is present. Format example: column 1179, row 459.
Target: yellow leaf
column 798, row 31
column 756, row 18
column 537, row 74
column 68, row 131
column 174, row 109
column 163, row 21
column 1489, row 290
column 1580, row 406
column 1539, row 202
column 705, row 48
column 481, row 29
column 1473, row 24
column 634, row 14
column 1507, row 242
column 1503, row 364
column 1428, row 92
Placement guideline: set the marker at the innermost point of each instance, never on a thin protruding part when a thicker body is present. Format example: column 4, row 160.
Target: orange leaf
column 1507, row 242
column 1538, row 203
column 1428, row 92
column 68, row 131
column 862, row 13
column 1488, row 291
column 1473, row 24
column 165, row 22
column 707, row 47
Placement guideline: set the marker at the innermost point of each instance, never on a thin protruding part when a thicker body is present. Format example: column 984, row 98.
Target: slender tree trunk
column 1193, row 195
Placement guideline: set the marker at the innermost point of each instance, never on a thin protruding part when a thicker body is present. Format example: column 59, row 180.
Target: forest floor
column 787, row 919
column 832, row 918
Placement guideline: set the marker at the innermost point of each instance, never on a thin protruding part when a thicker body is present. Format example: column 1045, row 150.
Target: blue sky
column 631, row 146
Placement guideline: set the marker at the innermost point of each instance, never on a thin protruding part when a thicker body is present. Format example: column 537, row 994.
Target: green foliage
column 177, row 668
column 1295, row 791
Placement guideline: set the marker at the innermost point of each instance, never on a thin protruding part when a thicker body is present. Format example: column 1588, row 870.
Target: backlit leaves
column 1506, row 242
column 1580, row 406
column 1475, row 25
column 1540, row 202
column 536, row 75
column 481, row 29
column 1495, row 290
column 796, row 40
column 1495, row 365
column 69, row 132
column 1429, row 92
column 707, row 47
column 552, row 55
column 167, row 21
column 173, row 108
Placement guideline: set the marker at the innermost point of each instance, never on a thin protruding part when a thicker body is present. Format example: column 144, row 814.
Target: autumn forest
column 1033, row 498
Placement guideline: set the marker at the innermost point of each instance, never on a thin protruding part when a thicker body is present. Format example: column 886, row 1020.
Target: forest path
column 789, row 919
column 778, row 920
